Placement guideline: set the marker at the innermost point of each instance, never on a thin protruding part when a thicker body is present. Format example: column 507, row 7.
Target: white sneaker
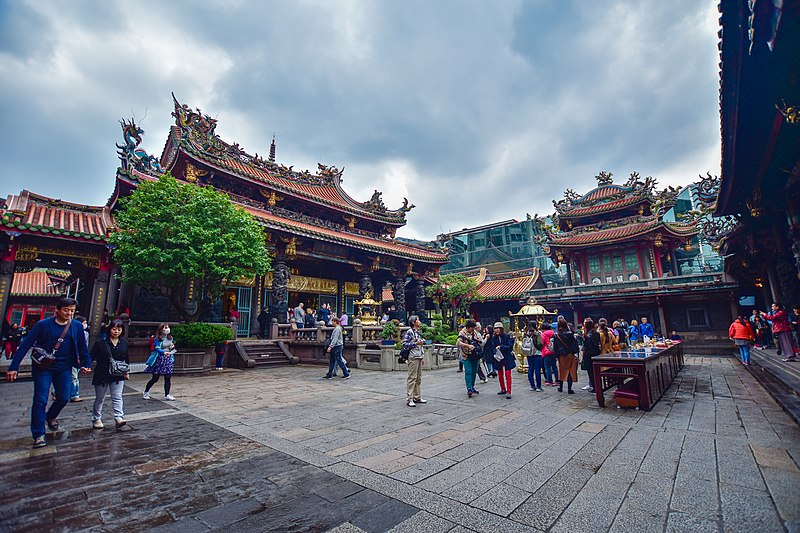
column 421, row 401
column 484, row 381
column 587, row 387
column 98, row 424
column 169, row 398
column 539, row 389
column 146, row 395
column 411, row 403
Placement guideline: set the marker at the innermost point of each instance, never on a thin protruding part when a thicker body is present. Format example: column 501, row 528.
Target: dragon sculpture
column 713, row 230
column 133, row 157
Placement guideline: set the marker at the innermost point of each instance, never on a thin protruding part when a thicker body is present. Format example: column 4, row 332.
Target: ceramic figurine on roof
column 131, row 156
column 616, row 233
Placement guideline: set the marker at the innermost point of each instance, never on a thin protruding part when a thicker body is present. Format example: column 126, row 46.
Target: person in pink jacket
column 782, row 331
column 549, row 357
column 742, row 335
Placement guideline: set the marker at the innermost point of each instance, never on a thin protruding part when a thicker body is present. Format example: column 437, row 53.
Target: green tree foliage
column 455, row 290
column 172, row 232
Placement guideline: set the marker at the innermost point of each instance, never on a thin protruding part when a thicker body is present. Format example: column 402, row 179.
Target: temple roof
column 606, row 197
column 640, row 226
column 32, row 213
column 34, row 283
column 509, row 285
column 194, row 134
column 365, row 242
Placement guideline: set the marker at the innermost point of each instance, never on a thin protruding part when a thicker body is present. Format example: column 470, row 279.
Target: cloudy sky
column 477, row 111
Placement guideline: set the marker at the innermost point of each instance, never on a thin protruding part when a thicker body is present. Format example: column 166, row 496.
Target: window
column 698, row 318
column 631, row 261
column 606, row 263
column 594, row 265
column 617, row 264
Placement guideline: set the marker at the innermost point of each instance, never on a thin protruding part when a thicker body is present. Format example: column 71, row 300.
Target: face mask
column 166, row 331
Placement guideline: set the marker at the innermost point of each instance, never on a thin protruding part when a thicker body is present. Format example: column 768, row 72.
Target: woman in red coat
column 742, row 335
column 782, row 331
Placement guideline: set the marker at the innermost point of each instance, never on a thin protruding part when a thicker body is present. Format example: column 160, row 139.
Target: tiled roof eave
column 57, row 233
column 579, row 212
column 682, row 231
column 407, row 252
column 345, row 208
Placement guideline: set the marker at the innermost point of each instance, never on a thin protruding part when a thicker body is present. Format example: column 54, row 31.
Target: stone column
column 420, row 297
column 113, row 291
column 399, row 294
column 365, row 287
column 6, row 277
column 99, row 297
column 280, row 281
column 662, row 319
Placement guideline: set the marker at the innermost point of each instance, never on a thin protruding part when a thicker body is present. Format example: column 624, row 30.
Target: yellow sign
column 299, row 283
column 351, row 288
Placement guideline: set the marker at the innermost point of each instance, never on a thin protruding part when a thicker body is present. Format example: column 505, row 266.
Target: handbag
column 117, row 368
column 44, row 359
column 498, row 355
column 152, row 359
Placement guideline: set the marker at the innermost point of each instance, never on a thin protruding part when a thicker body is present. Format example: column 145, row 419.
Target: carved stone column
column 280, row 281
column 6, row 277
column 420, row 297
column 99, row 297
column 365, row 287
column 399, row 294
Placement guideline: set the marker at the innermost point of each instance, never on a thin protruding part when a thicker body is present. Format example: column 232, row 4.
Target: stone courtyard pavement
column 282, row 450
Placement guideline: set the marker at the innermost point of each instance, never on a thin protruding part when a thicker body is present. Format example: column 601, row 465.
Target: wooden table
column 653, row 368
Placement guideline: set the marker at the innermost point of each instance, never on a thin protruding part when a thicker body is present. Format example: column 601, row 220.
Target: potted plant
column 389, row 333
column 195, row 343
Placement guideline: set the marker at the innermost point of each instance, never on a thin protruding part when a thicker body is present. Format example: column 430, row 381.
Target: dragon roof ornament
column 607, row 192
column 133, row 158
column 198, row 132
column 713, row 230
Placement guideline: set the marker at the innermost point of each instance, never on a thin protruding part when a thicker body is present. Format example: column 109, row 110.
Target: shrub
column 450, row 339
column 390, row 331
column 200, row 335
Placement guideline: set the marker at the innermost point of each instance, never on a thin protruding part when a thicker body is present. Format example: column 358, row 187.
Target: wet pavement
column 280, row 449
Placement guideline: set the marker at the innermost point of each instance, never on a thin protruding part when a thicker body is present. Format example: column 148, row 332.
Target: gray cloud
column 476, row 111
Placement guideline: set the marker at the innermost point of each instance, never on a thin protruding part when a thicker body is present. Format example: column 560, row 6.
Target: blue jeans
column 744, row 353
column 336, row 358
column 60, row 379
column 550, row 368
column 470, row 367
column 535, row 369
column 75, row 385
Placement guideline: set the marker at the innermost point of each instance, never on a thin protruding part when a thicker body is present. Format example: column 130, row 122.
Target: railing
column 670, row 282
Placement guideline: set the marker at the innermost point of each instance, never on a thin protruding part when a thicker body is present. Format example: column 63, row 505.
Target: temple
column 756, row 198
column 328, row 248
column 621, row 256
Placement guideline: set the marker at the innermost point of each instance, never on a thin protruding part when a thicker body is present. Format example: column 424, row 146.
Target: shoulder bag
column 44, row 359
column 117, row 368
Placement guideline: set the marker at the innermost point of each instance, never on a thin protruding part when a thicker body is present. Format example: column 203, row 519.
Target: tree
column 171, row 233
column 456, row 290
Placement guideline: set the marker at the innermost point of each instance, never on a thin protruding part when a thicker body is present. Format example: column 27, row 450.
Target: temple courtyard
column 283, row 450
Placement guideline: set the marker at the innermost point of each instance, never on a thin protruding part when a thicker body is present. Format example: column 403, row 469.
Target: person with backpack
column 532, row 348
column 608, row 337
column 549, row 356
column 470, row 352
column 566, row 349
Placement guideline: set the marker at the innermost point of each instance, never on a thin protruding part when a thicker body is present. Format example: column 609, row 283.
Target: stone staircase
column 258, row 353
